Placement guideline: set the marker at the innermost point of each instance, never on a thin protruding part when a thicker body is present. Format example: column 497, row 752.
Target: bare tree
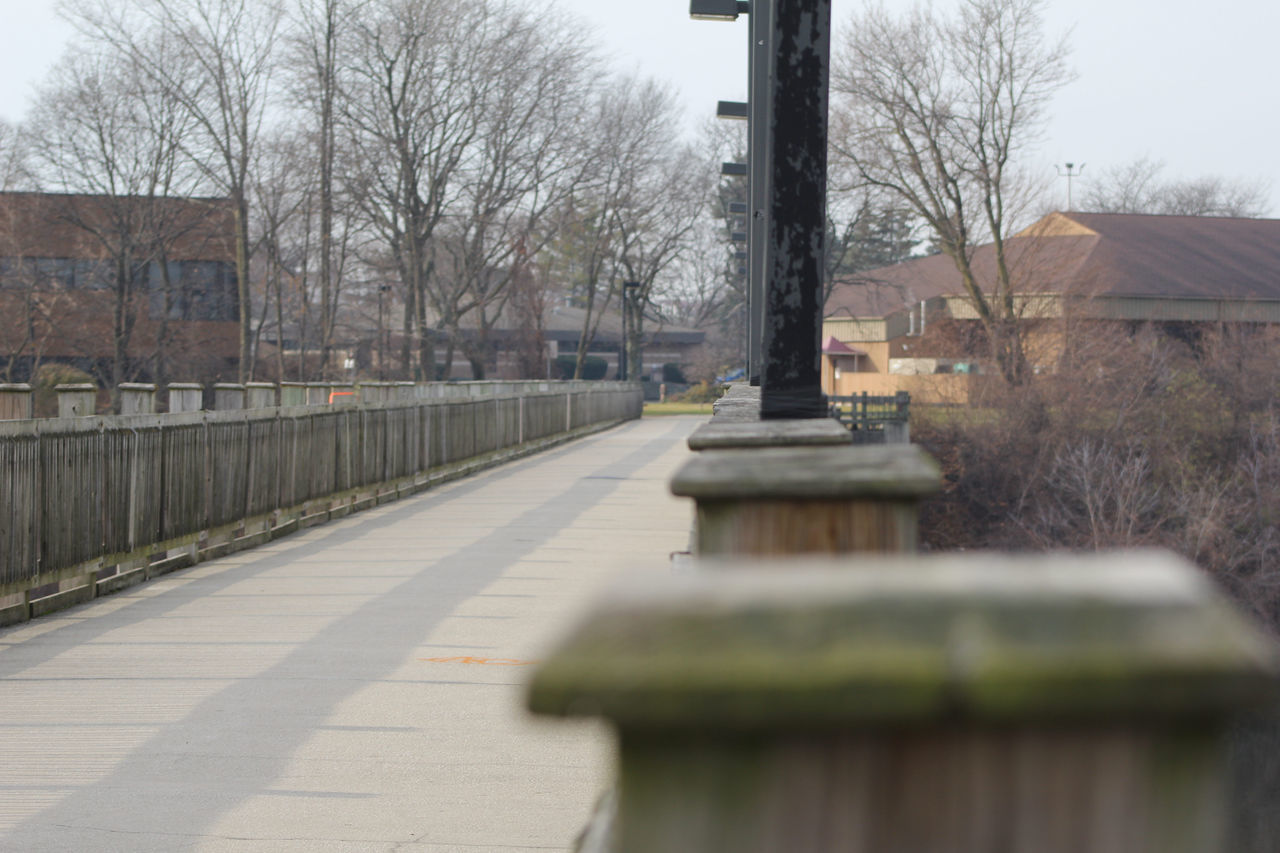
column 609, row 232
column 221, row 75
column 103, row 129
column 655, row 228
column 935, row 111
column 319, row 28
column 707, row 291
column 1140, row 187
column 411, row 79
column 14, row 171
column 281, row 180
column 526, row 161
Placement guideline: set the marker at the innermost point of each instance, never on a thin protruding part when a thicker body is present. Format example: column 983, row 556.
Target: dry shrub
column 1145, row 436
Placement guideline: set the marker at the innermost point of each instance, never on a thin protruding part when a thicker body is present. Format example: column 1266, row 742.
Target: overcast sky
column 1192, row 84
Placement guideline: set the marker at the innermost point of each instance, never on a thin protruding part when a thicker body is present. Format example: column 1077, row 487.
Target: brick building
column 128, row 289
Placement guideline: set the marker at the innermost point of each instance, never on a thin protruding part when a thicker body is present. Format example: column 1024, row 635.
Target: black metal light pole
column 789, row 70
column 791, row 370
column 759, row 71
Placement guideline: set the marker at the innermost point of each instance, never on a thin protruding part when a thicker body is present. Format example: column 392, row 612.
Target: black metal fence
column 874, row 419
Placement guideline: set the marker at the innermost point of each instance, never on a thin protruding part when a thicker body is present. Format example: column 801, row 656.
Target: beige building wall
column 845, row 376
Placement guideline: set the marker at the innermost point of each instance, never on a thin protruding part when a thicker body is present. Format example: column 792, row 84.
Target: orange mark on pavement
column 481, row 661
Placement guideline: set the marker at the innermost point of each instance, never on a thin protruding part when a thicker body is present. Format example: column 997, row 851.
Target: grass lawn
column 652, row 409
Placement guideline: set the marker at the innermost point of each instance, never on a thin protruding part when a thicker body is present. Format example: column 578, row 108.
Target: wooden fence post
column 260, row 395
column 741, row 402
column 731, row 434
column 16, row 402
column 137, row 398
column 186, row 397
column 77, row 401
column 958, row 704
column 799, row 500
column 228, row 396
column 293, row 393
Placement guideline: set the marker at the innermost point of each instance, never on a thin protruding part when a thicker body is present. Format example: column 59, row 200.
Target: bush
column 47, row 377
column 672, row 373
column 593, row 367
column 1163, row 444
column 703, row 392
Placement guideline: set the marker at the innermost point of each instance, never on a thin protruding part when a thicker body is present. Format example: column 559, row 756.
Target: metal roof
column 1095, row 254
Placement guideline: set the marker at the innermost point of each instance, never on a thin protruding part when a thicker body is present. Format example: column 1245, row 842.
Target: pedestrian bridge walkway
column 355, row 687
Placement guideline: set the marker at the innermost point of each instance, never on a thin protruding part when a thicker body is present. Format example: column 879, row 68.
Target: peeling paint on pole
column 760, row 71
column 791, row 367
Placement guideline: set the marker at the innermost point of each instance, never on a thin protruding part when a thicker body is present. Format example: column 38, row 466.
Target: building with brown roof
column 556, row 336
column 125, row 288
column 1179, row 272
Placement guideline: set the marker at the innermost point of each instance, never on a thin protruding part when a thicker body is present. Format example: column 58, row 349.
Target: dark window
column 199, row 290
column 56, row 273
column 94, row 275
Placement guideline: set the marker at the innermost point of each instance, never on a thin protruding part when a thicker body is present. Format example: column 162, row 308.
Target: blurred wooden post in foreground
column 962, row 704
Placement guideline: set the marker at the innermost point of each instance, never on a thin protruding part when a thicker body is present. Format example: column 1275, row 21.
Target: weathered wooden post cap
column 918, row 641
column 228, row 396
column 793, row 500
column 260, row 395
column 810, row 432
column 186, row 396
column 137, row 398
column 16, row 401
column 809, row 473
column 77, row 400
column 741, row 402
column 293, row 393
column 960, row 704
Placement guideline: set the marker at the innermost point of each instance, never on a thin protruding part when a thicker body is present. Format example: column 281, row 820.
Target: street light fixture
column 755, row 111
column 718, row 10
column 739, row 110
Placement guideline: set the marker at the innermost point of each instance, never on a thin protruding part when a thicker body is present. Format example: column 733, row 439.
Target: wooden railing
column 806, row 683
column 92, row 504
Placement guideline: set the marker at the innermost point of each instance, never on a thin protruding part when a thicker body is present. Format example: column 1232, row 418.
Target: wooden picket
column 89, row 494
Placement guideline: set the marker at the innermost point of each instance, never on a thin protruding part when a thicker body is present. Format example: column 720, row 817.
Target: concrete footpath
column 355, row 687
